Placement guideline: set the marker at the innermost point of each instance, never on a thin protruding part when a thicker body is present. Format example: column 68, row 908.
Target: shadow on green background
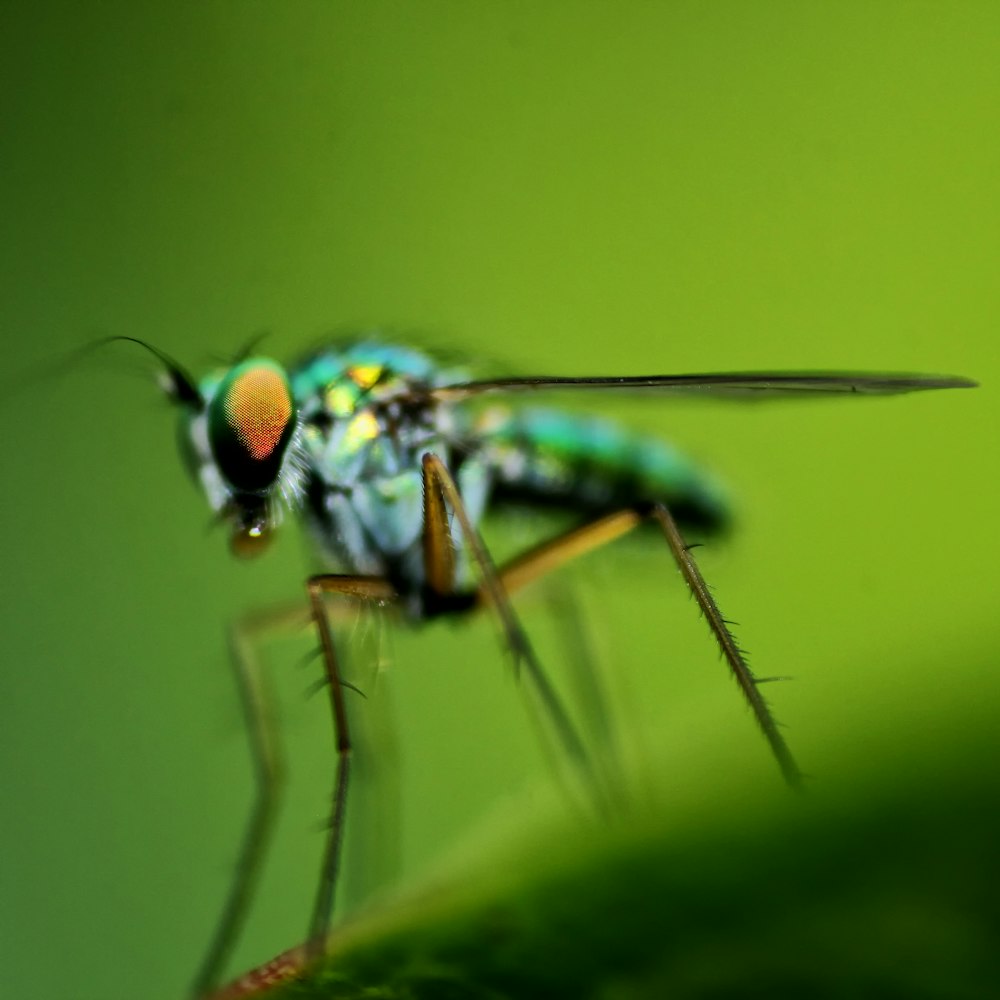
column 587, row 188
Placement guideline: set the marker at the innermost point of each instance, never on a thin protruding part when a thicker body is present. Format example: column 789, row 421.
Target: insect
column 392, row 462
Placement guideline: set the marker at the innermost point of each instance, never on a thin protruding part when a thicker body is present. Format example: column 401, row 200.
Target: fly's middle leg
column 365, row 588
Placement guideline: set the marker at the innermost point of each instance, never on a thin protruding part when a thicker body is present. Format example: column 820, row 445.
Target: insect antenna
column 180, row 385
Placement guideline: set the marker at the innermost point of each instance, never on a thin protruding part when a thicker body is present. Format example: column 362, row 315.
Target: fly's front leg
column 269, row 774
column 360, row 588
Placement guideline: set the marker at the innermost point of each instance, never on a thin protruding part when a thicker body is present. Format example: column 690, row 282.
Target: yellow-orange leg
column 440, row 495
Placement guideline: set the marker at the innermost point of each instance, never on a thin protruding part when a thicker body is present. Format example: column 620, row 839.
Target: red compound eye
column 250, row 422
column 258, row 408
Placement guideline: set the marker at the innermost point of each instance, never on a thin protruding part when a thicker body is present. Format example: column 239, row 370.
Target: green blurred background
column 567, row 188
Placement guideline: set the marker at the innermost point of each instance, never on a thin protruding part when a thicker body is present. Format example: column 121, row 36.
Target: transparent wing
column 731, row 385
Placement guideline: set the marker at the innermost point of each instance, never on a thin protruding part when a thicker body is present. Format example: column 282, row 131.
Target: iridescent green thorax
column 366, row 423
column 358, row 368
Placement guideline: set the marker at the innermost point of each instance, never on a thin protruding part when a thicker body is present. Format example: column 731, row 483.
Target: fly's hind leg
column 732, row 653
column 551, row 554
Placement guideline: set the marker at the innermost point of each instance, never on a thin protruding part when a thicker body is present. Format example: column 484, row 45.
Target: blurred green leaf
column 886, row 890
